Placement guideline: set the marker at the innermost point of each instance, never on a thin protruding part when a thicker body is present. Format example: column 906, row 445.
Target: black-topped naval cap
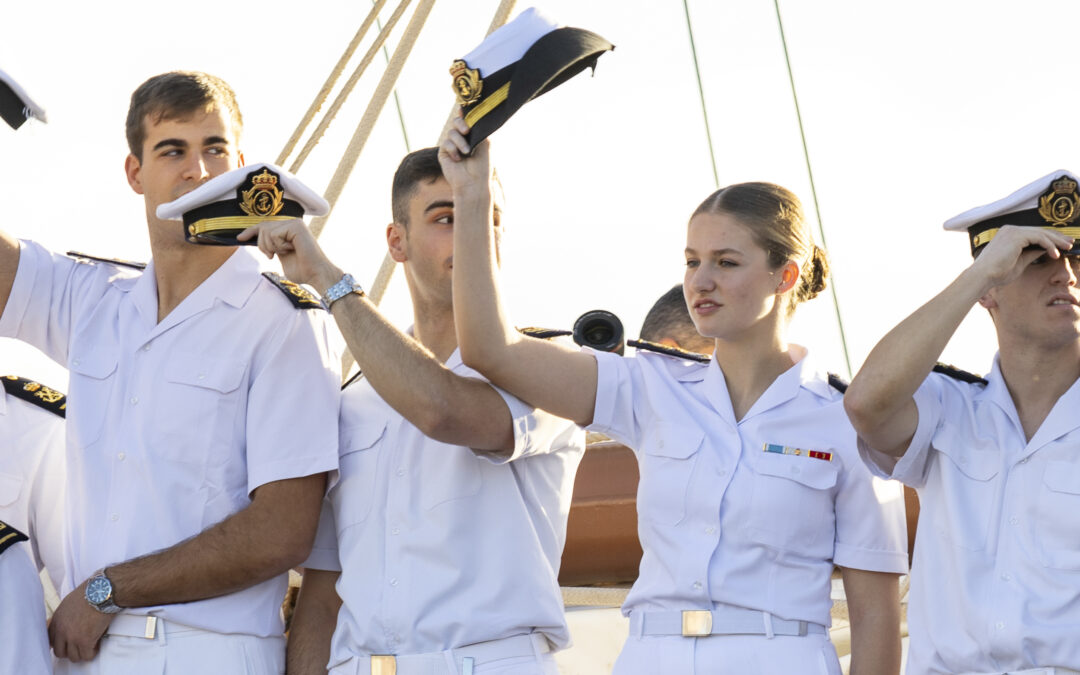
column 521, row 60
column 16, row 106
column 223, row 207
column 1051, row 202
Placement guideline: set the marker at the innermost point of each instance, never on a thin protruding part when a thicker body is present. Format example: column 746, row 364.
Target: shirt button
column 114, row 517
column 401, row 472
column 134, row 400
column 1014, row 520
column 1024, row 460
column 710, row 530
column 795, row 469
column 1000, row 625
column 120, row 456
column 393, row 582
column 201, row 376
column 75, row 362
column 723, row 472
column 697, row 585
column 395, row 531
column 146, row 347
column 1006, row 577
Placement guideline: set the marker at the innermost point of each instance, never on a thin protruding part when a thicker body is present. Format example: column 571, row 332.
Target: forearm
column 258, row 543
column 874, row 609
column 308, row 651
column 9, row 265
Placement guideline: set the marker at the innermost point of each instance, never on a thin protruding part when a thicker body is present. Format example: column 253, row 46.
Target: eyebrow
column 180, row 143
column 439, row 205
column 723, row 251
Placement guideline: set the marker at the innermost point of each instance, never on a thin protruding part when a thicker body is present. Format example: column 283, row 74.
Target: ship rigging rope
column 324, row 93
column 813, row 189
column 701, row 94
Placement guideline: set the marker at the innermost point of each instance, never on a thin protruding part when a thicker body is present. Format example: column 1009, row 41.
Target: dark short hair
column 177, row 95
column 417, row 166
column 669, row 318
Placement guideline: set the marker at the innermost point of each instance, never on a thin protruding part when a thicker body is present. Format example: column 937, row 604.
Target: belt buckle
column 151, row 627
column 696, row 622
column 383, row 664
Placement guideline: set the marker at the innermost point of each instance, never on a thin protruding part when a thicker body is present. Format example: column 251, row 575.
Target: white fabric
column 32, row 480
column 172, row 425
column 722, row 521
column 1025, row 198
column 442, row 546
column 508, row 43
column 223, row 188
column 995, row 582
column 518, row 655
column 32, row 109
column 182, row 650
column 24, row 645
column 728, row 655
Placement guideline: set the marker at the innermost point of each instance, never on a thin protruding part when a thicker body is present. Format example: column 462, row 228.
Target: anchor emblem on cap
column 1060, row 205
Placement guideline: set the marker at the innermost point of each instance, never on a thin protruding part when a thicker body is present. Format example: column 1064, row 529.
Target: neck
column 1037, row 377
column 180, row 270
column 751, row 363
column 433, row 327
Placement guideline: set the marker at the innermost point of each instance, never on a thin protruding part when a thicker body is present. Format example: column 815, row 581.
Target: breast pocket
column 93, row 377
column 10, row 488
column 354, row 493
column 196, row 409
column 667, row 459
column 791, row 505
column 967, row 492
column 1057, row 528
column 450, row 473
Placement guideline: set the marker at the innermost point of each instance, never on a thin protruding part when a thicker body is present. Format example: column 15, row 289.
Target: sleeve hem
column 871, row 560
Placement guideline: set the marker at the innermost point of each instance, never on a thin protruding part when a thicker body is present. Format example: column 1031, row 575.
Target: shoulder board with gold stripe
column 85, row 258
column 300, row 297
column 544, row 333
column 38, row 394
column 9, row 536
column 957, row 374
column 838, row 383
column 670, row 351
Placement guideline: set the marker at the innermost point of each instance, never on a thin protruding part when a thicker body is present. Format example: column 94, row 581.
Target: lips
column 706, row 306
column 1063, row 299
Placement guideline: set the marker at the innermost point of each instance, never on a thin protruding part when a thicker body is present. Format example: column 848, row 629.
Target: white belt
column 142, row 626
column 461, row 660
column 724, row 620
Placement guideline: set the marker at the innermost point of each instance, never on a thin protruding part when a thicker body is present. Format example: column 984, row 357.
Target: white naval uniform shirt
column 24, row 641
column 32, row 482
column 722, row 521
column 441, row 546
column 172, row 425
column 996, row 576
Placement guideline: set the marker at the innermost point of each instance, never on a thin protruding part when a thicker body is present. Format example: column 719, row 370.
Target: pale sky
column 914, row 112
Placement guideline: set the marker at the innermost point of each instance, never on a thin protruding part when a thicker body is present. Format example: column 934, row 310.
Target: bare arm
column 443, row 405
column 9, row 264
column 275, row 532
column 874, row 607
column 552, row 377
column 308, row 649
column 879, row 401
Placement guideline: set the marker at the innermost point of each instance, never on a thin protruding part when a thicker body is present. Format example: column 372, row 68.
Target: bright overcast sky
column 914, row 112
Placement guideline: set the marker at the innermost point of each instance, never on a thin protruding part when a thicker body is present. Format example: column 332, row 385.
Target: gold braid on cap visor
column 487, row 105
column 230, row 223
column 985, row 236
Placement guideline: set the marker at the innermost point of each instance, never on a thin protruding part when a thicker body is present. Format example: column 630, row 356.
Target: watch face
column 98, row 590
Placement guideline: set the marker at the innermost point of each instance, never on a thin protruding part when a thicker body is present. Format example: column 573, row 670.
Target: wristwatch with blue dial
column 99, row 593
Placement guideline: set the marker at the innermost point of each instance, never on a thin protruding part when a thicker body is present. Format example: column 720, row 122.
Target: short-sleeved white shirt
column 32, row 481
column 24, row 649
column 441, row 546
column 996, row 576
column 172, row 425
column 720, row 519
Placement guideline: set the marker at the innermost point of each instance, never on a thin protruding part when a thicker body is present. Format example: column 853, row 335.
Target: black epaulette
column 83, row 257
column 38, row 394
column 838, row 383
column 9, row 536
column 670, row 351
column 957, row 374
column 544, row 333
column 359, row 374
column 300, row 297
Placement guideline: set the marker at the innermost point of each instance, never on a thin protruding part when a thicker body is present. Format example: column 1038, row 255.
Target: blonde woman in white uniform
column 751, row 486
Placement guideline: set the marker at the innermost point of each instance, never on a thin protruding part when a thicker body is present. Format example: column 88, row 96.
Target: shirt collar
column 1061, row 420
column 802, row 374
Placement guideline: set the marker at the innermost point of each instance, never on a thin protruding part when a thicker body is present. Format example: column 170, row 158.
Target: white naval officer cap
column 519, row 61
column 1051, row 202
column 224, row 206
column 16, row 106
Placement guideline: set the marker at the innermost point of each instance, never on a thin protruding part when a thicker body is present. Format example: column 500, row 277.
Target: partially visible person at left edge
column 201, row 423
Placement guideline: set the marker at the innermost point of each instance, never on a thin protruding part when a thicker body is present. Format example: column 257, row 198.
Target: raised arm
column 546, row 375
column 880, row 401
column 9, row 264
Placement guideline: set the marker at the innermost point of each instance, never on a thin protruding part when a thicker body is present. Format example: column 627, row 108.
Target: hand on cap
column 462, row 170
column 1014, row 248
column 302, row 259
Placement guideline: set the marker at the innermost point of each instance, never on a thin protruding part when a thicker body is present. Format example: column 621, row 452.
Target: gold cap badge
column 1060, row 205
column 467, row 83
column 264, row 198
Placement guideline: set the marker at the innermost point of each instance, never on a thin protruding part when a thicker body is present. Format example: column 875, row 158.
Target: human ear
column 987, row 301
column 132, row 166
column 789, row 276
column 396, row 235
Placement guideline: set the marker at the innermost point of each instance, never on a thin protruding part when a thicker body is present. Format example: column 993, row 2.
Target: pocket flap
column 668, row 440
column 10, row 487
column 979, row 465
column 359, row 437
column 814, row 473
column 1062, row 477
column 217, row 374
column 97, row 365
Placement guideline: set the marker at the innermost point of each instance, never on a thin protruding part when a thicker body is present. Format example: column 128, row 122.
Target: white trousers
column 728, row 655
column 180, row 650
column 521, row 655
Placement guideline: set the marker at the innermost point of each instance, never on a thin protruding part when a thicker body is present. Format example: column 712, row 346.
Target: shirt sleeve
column 324, row 554
column 47, row 291
column 293, row 402
column 871, row 528
column 536, row 432
column 618, row 381
column 911, row 468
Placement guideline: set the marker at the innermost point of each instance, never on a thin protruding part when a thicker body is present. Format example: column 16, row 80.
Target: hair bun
column 816, row 274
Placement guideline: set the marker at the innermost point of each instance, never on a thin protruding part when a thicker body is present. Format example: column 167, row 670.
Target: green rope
column 701, row 93
column 397, row 101
column 813, row 189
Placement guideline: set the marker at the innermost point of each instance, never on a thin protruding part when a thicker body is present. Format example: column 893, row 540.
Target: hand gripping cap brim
column 551, row 60
column 223, row 207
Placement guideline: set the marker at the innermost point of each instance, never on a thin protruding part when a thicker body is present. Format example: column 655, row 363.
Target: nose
column 698, row 279
column 195, row 169
column 1065, row 270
